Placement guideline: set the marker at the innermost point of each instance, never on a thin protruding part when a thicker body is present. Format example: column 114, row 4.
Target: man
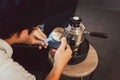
column 14, row 28
column 11, row 70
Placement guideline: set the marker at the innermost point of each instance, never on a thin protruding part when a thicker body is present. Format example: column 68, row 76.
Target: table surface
column 83, row 68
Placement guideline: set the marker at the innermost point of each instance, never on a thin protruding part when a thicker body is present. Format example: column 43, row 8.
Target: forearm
column 61, row 58
column 55, row 73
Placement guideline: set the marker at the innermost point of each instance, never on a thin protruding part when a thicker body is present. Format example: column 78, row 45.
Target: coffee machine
column 75, row 38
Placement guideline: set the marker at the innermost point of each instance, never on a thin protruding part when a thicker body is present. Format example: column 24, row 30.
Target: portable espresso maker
column 75, row 37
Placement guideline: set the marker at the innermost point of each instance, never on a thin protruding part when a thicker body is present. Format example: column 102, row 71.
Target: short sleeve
column 11, row 70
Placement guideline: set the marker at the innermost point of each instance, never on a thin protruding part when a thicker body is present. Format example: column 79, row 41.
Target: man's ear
column 23, row 33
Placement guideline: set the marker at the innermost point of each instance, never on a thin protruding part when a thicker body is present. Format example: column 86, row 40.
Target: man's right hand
column 63, row 54
column 61, row 58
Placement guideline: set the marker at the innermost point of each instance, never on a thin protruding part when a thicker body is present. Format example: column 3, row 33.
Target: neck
column 12, row 40
column 9, row 41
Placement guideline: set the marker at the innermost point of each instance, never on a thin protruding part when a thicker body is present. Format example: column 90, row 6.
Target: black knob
column 75, row 21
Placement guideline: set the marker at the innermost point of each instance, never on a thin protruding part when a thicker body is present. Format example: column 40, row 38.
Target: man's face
column 35, row 37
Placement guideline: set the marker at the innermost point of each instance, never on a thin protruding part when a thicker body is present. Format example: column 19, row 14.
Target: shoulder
column 5, row 48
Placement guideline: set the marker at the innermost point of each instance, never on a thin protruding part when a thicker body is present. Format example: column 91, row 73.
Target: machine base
column 81, row 53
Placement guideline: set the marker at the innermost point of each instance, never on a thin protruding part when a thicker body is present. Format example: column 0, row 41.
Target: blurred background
column 97, row 15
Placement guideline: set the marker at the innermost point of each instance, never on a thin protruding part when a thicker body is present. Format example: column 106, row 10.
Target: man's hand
column 63, row 54
column 61, row 58
column 37, row 37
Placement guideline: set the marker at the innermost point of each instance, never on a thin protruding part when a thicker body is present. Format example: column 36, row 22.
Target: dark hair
column 7, row 30
column 16, row 15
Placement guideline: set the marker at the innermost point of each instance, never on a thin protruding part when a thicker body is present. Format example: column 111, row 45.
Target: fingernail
column 40, row 47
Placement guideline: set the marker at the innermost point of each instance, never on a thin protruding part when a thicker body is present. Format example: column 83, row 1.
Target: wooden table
column 83, row 68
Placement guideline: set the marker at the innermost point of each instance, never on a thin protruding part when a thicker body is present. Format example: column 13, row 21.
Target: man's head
column 23, row 34
column 7, row 30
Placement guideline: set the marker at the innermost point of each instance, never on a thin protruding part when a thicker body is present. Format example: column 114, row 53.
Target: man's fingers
column 40, row 43
column 45, row 45
column 39, row 34
column 68, row 51
column 53, row 51
column 68, row 48
column 63, row 43
column 36, row 41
